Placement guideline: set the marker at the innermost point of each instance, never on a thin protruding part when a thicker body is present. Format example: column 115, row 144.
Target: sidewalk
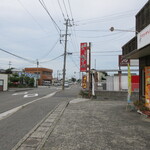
column 99, row 125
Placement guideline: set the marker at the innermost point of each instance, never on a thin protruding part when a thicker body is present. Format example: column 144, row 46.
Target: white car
column 66, row 84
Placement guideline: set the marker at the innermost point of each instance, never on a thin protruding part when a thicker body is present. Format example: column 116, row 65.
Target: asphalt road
column 14, row 127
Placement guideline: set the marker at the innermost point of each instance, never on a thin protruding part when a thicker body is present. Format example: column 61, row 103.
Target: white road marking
column 78, row 100
column 12, row 111
column 31, row 95
column 47, row 96
column 20, row 93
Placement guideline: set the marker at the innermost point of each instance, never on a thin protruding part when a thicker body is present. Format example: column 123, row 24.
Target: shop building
column 44, row 75
column 139, row 48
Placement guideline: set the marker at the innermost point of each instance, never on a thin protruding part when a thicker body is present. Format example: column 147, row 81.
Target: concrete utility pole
column 65, row 53
column 9, row 64
column 37, row 73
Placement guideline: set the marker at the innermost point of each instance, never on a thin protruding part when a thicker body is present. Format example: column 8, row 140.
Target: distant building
column 2, row 71
column 139, row 48
column 16, row 71
column 44, row 75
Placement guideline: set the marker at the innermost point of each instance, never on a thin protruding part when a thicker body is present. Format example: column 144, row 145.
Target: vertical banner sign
column 84, row 82
column 147, row 87
column 83, row 57
column 129, row 85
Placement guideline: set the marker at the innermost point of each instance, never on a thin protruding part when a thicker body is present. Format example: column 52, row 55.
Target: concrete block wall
column 116, row 95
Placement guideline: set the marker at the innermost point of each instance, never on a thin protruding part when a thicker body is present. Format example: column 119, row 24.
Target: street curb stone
column 36, row 138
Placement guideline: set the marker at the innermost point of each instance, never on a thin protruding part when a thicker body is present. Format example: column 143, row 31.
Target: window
column 46, row 73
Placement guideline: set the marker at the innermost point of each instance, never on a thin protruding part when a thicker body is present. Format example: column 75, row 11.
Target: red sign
column 83, row 57
column 123, row 61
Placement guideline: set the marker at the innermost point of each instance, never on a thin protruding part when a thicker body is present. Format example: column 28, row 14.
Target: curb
column 36, row 137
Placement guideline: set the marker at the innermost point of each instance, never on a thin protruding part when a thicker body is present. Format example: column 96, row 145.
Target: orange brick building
column 45, row 75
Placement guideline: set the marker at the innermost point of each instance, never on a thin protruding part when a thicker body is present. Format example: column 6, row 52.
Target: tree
column 73, row 79
column 9, row 71
column 14, row 78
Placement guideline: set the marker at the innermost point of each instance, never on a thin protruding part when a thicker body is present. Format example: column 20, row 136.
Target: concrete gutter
column 36, row 138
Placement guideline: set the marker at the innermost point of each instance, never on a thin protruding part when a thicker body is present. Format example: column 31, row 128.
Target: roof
column 39, row 69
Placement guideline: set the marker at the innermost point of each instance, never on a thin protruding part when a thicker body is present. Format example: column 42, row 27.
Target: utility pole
column 37, row 73
column 9, row 64
column 65, row 52
column 9, row 71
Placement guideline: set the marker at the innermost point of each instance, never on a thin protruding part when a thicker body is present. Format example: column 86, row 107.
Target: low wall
column 116, row 95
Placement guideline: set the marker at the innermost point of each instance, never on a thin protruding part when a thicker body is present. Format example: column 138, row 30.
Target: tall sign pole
column 89, row 68
column 85, row 63
column 65, row 52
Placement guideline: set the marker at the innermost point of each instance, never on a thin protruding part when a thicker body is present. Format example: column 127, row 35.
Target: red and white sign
column 144, row 37
column 123, row 61
column 83, row 57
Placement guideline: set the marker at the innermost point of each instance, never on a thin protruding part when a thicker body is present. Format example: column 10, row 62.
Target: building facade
column 3, row 82
column 44, row 75
column 139, row 48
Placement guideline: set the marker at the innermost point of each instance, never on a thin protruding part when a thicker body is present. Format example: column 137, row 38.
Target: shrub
column 140, row 104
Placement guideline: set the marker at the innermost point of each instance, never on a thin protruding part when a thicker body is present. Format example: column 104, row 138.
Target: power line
column 55, row 24
column 61, row 9
column 17, row 56
column 31, row 15
column 100, row 52
column 109, row 16
column 106, row 35
column 74, row 62
column 50, row 49
column 52, row 59
column 70, row 9
column 65, row 9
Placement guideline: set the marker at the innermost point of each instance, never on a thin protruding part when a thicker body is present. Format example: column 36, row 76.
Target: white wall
column 124, row 82
column 4, row 77
column 112, row 83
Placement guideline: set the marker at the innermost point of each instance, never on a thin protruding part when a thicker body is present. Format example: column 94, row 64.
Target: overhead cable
column 50, row 49
column 53, row 59
column 45, row 8
column 65, row 9
column 31, row 15
column 70, row 9
column 61, row 9
column 109, row 16
column 31, row 61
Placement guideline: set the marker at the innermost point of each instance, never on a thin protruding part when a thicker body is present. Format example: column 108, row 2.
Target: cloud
column 27, row 30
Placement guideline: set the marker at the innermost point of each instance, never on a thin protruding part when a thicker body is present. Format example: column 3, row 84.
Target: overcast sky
column 26, row 30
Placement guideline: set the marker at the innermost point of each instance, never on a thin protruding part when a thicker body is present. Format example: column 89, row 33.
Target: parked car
column 66, row 84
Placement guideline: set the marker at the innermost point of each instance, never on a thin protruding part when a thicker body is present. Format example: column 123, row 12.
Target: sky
column 28, row 31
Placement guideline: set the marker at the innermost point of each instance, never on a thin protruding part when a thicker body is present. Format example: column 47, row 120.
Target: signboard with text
column 123, row 61
column 147, row 87
column 83, row 57
column 143, row 37
column 84, row 82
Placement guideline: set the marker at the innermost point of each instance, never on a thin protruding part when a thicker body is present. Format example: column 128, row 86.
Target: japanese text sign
column 83, row 57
